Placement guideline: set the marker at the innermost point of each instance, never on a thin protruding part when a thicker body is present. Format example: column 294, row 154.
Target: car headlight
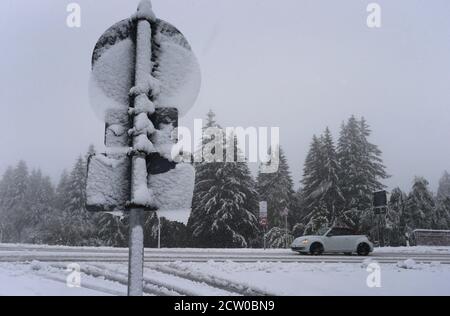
column 305, row 242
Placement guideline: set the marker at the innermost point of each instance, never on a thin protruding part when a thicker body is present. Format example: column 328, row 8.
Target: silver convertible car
column 334, row 240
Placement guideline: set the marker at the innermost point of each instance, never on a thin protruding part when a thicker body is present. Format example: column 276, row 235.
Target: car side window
column 335, row 232
column 341, row 232
column 347, row 232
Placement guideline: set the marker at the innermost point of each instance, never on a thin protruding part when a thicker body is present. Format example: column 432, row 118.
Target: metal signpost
column 132, row 68
column 285, row 214
column 263, row 219
column 380, row 207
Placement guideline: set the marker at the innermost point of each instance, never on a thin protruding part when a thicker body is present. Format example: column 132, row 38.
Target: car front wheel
column 316, row 249
column 363, row 250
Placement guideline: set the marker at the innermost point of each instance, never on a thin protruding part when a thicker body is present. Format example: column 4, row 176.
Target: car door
column 336, row 240
column 348, row 237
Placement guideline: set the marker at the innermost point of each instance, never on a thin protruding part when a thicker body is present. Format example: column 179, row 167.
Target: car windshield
column 323, row 231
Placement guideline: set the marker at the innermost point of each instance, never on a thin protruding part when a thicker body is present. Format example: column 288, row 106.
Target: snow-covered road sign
column 380, row 199
column 144, row 75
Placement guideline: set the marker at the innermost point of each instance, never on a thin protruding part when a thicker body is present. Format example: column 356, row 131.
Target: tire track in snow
column 190, row 288
column 85, row 285
column 174, row 289
column 213, row 281
column 150, row 288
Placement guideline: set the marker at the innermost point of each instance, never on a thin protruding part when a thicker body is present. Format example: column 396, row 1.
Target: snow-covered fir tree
column 279, row 238
column 442, row 214
column 444, row 187
column 111, row 230
column 441, row 217
column 331, row 194
column 318, row 219
column 395, row 219
column 173, row 234
column 5, row 188
column 420, row 206
column 40, row 201
column 225, row 201
column 321, row 185
column 78, row 223
column 13, row 203
column 277, row 189
column 312, row 176
column 362, row 169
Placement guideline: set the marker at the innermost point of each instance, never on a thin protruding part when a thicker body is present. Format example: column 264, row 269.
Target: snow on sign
column 144, row 75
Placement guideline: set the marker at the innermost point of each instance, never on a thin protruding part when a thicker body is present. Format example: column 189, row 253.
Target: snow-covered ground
column 413, row 250
column 229, row 278
column 305, row 279
column 37, row 280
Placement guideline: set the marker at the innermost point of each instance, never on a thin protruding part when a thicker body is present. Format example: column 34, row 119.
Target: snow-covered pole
column 135, row 175
column 159, row 232
column 142, row 146
column 287, row 233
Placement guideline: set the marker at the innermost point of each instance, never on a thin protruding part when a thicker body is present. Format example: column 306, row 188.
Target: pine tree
column 278, row 238
column 5, row 194
column 111, row 230
column 13, row 203
column 173, row 234
column 361, row 168
column 395, row 219
column 332, row 195
column 205, row 173
column 277, row 189
column 312, row 176
column 444, row 187
column 420, row 206
column 26, row 205
column 62, row 188
column 441, row 218
column 225, row 202
column 321, row 184
column 78, row 223
column 40, row 201
column 318, row 220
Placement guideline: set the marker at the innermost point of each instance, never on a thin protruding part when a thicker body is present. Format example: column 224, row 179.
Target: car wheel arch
column 316, row 243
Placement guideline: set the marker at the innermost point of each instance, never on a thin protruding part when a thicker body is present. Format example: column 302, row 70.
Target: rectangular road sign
column 263, row 209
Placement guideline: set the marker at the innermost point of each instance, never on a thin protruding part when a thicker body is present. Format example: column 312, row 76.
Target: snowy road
column 42, row 270
column 27, row 253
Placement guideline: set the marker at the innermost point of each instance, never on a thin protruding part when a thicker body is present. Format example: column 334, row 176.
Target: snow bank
column 408, row 264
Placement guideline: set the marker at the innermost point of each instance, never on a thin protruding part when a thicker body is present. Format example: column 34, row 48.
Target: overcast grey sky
column 301, row 65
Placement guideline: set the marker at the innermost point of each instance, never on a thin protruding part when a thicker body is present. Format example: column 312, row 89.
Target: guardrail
column 425, row 237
